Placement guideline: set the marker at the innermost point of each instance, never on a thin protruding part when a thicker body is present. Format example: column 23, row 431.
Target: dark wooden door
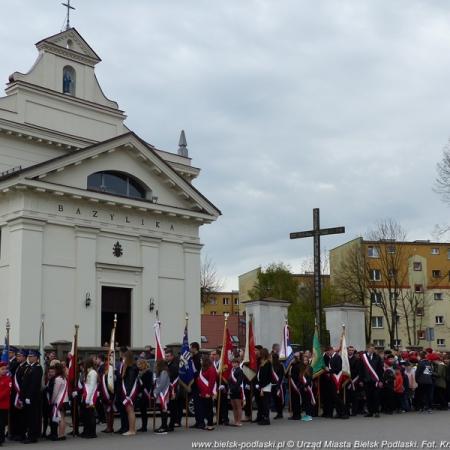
column 116, row 300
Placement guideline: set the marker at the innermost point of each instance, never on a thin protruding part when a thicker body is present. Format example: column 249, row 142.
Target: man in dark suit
column 333, row 371
column 197, row 363
column 31, row 397
column 354, row 392
column 16, row 427
column 370, row 377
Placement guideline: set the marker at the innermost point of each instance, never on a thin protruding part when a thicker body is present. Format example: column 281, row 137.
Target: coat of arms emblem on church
column 117, row 250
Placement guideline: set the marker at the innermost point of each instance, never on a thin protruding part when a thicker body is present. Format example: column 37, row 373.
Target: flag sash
column 163, row 398
column 370, row 369
column 106, row 397
column 294, row 386
column 129, row 399
column 57, row 405
column 17, row 402
column 309, row 389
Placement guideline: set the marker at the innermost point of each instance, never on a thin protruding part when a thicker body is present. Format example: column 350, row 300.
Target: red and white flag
column 250, row 365
column 159, row 354
column 227, row 356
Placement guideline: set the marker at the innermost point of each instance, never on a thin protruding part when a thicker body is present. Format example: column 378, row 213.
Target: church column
column 25, row 294
column 88, row 317
column 150, row 290
column 192, row 289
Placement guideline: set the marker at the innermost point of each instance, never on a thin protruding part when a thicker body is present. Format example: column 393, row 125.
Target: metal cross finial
column 69, row 7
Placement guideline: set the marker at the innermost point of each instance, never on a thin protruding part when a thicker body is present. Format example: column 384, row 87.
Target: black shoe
column 161, row 431
column 170, row 429
column 345, row 416
column 29, row 441
column 120, row 431
column 278, row 416
column 264, row 422
column 142, row 430
column 368, row 415
column 294, row 418
column 199, row 426
column 376, row 415
column 108, row 431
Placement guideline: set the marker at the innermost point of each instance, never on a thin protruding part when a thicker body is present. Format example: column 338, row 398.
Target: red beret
column 3, row 364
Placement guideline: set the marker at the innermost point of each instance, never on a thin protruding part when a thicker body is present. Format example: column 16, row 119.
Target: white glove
column 222, row 388
column 74, row 394
column 27, row 401
column 256, row 386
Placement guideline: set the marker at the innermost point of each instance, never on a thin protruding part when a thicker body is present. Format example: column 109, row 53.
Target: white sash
column 369, row 368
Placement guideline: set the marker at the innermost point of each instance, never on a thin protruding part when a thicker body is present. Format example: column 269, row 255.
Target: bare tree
column 413, row 306
column 209, row 280
column 442, row 184
column 351, row 281
column 392, row 262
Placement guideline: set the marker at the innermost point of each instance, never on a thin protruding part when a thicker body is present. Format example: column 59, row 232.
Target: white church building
column 94, row 221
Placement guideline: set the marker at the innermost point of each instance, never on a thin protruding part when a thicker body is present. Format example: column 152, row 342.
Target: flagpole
column 75, row 399
column 187, row 393
column 8, row 328
column 220, row 367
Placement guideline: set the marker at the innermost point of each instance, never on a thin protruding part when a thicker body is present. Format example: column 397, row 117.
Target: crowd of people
column 38, row 402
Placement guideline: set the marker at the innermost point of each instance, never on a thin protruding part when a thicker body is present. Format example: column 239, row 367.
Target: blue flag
column 286, row 353
column 5, row 353
column 186, row 370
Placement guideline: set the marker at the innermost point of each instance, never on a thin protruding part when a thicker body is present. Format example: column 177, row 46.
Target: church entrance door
column 116, row 300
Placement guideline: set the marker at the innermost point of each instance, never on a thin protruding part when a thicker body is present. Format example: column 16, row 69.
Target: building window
column 420, row 334
column 417, row 266
column 439, row 320
column 375, row 274
column 393, row 296
column 373, row 252
column 440, row 342
column 435, row 251
column 438, row 296
column 377, row 322
column 376, row 298
column 391, row 249
column 378, row 343
column 436, row 273
column 69, row 80
column 418, row 288
column 236, row 301
column 419, row 311
column 203, row 339
column 213, row 313
column 397, row 342
column 212, row 301
column 226, row 301
column 117, row 183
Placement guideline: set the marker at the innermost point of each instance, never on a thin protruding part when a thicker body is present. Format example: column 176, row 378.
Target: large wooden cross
column 69, row 7
column 316, row 232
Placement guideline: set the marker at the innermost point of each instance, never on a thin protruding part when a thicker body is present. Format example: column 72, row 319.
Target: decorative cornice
column 67, row 53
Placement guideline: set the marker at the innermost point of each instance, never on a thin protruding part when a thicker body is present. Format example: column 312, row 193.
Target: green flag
column 317, row 363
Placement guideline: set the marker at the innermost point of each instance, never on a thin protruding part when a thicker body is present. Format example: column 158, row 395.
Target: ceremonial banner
column 186, row 369
column 286, row 353
column 317, row 362
column 159, row 353
column 250, row 364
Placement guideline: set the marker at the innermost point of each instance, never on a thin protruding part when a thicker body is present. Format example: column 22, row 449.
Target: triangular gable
column 71, row 41
column 145, row 153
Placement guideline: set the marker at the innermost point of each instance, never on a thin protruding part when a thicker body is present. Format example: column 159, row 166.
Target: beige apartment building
column 404, row 285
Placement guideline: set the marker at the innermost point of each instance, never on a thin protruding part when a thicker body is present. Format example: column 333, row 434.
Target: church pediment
column 71, row 44
column 124, row 166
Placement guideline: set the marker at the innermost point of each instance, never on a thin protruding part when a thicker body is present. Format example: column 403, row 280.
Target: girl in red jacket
column 5, row 395
column 206, row 383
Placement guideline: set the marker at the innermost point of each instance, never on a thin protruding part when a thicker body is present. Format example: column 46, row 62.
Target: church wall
column 19, row 152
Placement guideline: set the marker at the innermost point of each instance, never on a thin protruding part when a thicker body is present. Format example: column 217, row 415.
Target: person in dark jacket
column 387, row 392
column 118, row 389
column 206, row 383
column 46, row 404
column 235, row 386
column 333, row 369
column 16, row 427
column 130, row 390
column 173, row 366
column 294, row 388
column 197, row 363
column 306, row 391
column 145, row 391
column 354, row 393
column 277, row 386
column 264, row 387
column 370, row 378
column 31, row 397
column 424, row 378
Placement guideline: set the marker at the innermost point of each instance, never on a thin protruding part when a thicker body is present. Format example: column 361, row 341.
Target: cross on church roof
column 69, row 7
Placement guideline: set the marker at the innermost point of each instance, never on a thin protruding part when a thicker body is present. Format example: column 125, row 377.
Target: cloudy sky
column 287, row 105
